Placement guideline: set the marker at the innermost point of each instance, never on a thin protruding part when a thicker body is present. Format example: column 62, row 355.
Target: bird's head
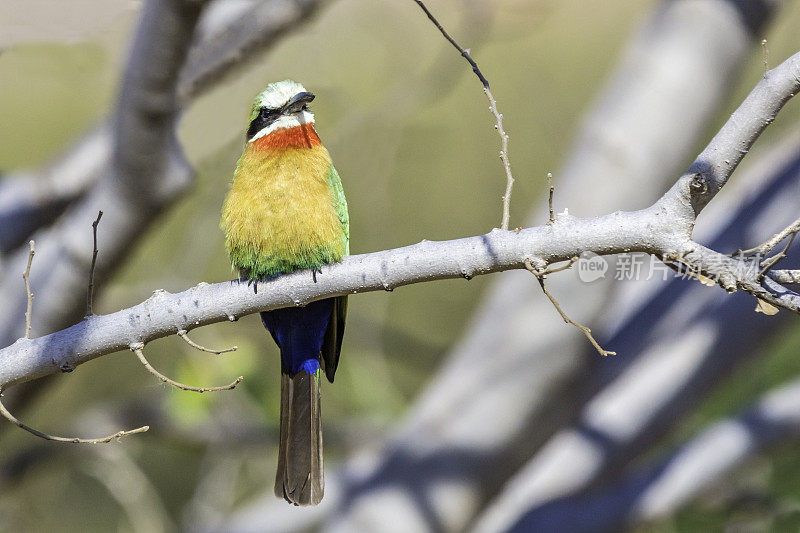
column 283, row 104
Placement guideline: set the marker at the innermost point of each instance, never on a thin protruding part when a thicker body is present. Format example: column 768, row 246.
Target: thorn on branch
column 540, row 274
column 137, row 349
column 26, row 276
column 73, row 440
column 492, row 107
column 182, row 333
column 90, row 291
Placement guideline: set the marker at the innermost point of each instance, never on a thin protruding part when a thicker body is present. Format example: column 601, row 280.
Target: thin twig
column 552, row 189
column 540, row 277
column 137, row 349
column 492, row 107
column 768, row 245
column 74, row 440
column 503, row 157
column 27, row 278
column 182, row 333
column 765, row 57
column 463, row 52
column 772, row 261
column 90, row 292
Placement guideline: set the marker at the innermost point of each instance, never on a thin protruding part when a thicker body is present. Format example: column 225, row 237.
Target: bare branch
column 712, row 168
column 540, row 274
column 163, row 313
column 138, row 348
column 492, row 107
column 184, row 335
column 667, row 483
column 147, row 172
column 677, row 342
column 73, row 440
column 626, row 149
column 224, row 48
column 773, row 260
column 26, row 276
column 786, row 277
column 30, row 201
column 462, row 51
column 663, row 229
column 90, row 291
column 767, row 246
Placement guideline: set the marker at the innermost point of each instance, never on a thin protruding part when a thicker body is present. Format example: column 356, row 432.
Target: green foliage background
column 408, row 129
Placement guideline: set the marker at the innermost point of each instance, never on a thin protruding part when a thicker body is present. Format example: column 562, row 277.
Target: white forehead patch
column 286, row 121
column 278, row 93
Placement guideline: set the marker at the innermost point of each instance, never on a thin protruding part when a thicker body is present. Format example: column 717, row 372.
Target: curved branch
column 71, row 440
column 138, row 349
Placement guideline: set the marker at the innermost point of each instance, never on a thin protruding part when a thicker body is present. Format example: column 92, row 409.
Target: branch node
column 698, row 184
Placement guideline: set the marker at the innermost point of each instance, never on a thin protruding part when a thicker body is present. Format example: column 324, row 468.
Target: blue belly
column 299, row 332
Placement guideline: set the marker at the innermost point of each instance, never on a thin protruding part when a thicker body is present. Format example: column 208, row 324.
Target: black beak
column 296, row 103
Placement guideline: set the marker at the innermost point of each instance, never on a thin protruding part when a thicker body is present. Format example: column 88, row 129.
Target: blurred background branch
column 393, row 116
column 690, row 52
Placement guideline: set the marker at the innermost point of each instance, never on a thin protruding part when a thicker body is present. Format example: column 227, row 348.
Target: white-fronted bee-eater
column 286, row 211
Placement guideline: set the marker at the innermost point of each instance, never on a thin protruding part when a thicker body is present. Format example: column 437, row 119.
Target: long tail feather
column 300, row 477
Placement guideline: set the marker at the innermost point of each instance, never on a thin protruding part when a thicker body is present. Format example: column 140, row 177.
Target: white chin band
column 285, row 122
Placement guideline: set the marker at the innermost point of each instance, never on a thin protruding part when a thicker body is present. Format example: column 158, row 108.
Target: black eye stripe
column 264, row 118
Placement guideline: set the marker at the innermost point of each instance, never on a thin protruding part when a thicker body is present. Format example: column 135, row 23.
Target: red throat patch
column 303, row 136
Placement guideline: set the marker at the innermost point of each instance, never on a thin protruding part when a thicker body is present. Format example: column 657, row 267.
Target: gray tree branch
column 663, row 229
column 625, row 151
column 147, row 172
column 29, row 201
column 662, row 487
column 675, row 340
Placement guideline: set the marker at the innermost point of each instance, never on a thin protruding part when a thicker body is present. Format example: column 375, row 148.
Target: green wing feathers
column 332, row 344
column 340, row 205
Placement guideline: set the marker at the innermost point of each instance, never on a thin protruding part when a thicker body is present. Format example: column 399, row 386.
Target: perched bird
column 286, row 211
